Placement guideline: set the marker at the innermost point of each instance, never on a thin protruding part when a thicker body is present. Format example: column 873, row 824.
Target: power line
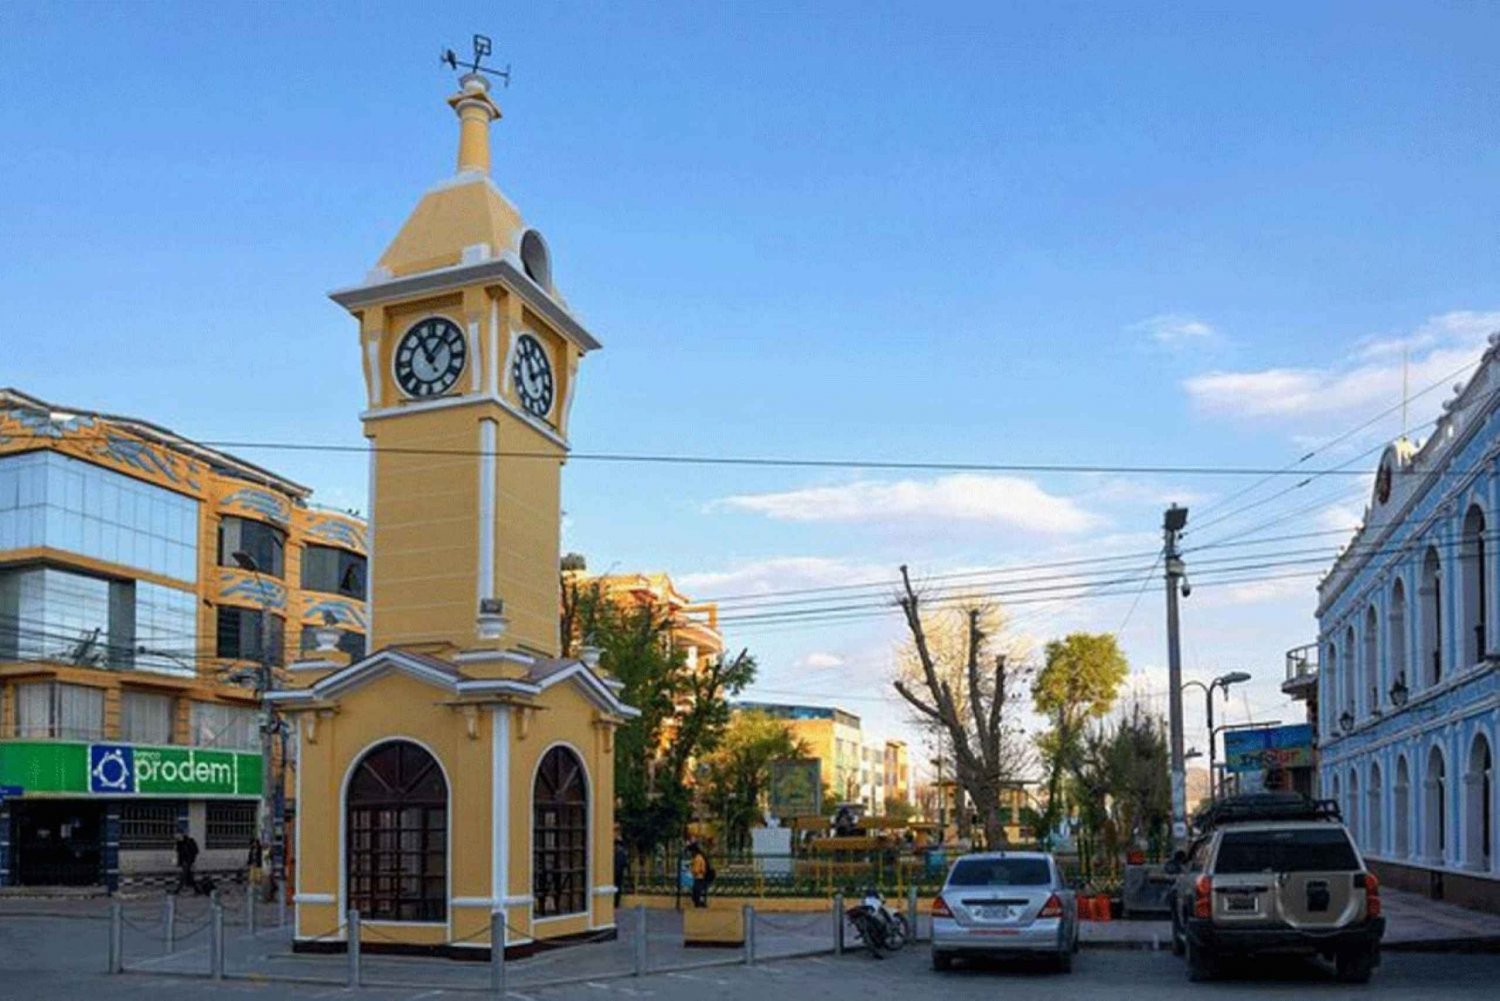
column 783, row 462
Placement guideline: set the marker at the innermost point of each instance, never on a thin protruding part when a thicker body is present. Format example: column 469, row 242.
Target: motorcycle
column 881, row 929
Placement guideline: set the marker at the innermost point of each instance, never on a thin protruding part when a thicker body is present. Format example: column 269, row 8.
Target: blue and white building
column 1408, row 685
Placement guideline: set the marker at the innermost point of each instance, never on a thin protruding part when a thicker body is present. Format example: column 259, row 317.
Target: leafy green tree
column 1080, row 680
column 739, row 772
column 684, row 711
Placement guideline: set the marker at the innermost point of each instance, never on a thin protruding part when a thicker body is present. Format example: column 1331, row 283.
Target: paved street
column 1099, row 974
column 59, row 959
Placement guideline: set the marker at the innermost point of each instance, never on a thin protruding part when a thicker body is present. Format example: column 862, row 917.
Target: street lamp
column 1399, row 692
column 265, row 683
column 1222, row 681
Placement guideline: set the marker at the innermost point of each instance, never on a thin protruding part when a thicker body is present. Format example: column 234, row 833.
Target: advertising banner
column 69, row 768
column 1276, row 747
column 796, row 788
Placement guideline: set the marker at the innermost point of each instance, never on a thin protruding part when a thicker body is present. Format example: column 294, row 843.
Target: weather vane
column 481, row 49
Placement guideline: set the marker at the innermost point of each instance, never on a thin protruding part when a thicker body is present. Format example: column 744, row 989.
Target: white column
column 499, row 805
column 485, row 577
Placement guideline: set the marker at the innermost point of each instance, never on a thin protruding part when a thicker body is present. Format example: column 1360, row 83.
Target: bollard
column 116, row 937
column 911, row 912
column 281, row 904
column 353, row 933
column 216, row 939
column 249, row 908
column 749, row 919
column 640, row 939
column 497, row 952
column 838, row 924
column 169, row 922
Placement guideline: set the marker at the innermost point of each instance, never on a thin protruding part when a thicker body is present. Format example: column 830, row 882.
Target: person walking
column 255, row 870
column 622, row 865
column 187, row 856
column 700, row 869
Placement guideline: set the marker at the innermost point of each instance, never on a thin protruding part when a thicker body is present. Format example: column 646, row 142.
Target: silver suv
column 1275, row 874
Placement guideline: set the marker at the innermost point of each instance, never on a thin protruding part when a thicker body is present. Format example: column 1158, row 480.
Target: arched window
column 1371, row 657
column 1472, row 637
column 1353, row 816
column 1479, row 806
column 1396, row 644
column 1434, row 807
column 1402, row 812
column 1432, row 618
column 397, row 832
column 1348, row 672
column 560, row 835
column 1330, row 692
column 1375, row 811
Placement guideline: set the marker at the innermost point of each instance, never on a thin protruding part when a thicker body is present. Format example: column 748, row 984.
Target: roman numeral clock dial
column 430, row 357
column 531, row 373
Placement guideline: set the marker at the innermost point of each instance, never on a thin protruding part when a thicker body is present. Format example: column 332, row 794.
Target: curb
column 1474, row 944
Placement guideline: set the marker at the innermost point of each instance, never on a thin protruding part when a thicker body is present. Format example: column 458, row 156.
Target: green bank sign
column 64, row 767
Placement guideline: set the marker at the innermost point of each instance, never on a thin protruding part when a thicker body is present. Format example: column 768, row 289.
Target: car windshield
column 1303, row 850
column 1001, row 872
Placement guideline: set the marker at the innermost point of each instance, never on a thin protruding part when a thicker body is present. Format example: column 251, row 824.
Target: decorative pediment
column 447, row 678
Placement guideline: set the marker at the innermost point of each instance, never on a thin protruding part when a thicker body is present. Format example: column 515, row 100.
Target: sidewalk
column 1412, row 924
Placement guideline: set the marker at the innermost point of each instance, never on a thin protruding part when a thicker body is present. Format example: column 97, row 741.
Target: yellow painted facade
column 189, row 665
column 470, row 359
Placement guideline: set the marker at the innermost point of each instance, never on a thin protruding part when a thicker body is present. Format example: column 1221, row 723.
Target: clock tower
column 470, row 359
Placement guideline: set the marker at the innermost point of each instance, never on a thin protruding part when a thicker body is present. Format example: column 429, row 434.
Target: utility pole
column 1176, row 576
column 265, row 683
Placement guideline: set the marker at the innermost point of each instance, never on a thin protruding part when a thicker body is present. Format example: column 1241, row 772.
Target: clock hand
column 427, row 351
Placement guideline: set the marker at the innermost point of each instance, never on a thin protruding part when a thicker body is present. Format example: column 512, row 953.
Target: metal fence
column 231, row 937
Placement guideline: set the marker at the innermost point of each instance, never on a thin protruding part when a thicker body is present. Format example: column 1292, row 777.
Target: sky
column 1136, row 235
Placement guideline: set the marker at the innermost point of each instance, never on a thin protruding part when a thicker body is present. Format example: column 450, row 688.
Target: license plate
column 1240, row 903
column 993, row 913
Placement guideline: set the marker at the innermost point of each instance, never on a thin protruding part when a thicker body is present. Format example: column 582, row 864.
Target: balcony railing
column 1302, row 663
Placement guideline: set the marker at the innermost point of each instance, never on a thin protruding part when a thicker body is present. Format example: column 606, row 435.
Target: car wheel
column 1065, row 962
column 1200, row 963
column 1354, row 967
column 941, row 961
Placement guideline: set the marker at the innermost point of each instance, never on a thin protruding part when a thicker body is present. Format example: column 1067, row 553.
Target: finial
column 476, row 109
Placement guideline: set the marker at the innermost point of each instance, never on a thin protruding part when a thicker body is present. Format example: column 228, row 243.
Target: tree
column 1080, row 680
column 899, row 810
column 739, row 771
column 683, row 711
column 972, row 707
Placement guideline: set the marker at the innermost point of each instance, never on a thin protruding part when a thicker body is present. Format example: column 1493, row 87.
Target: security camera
column 1187, row 587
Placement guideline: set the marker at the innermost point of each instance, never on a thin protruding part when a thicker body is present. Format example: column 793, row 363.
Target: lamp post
column 265, row 683
column 1222, row 681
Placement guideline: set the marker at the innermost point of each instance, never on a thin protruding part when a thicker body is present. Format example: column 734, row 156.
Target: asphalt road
column 49, row 960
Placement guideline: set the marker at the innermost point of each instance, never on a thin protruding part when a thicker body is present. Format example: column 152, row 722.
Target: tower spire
column 475, row 109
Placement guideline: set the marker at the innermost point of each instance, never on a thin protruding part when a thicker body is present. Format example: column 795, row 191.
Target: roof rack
column 1266, row 806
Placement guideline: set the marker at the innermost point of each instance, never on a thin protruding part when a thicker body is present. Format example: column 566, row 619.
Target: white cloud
column 1301, row 588
column 971, row 497
column 1338, row 518
column 820, row 660
column 783, row 573
column 1175, row 329
column 1371, row 377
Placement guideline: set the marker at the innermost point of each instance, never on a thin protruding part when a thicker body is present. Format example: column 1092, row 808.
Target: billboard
column 796, row 788
column 1277, row 747
column 75, row 768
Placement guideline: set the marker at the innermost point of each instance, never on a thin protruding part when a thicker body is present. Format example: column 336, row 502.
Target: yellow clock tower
column 463, row 768
column 470, row 360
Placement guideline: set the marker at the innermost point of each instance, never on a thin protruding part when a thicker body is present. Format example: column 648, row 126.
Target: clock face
column 430, row 357
column 531, row 373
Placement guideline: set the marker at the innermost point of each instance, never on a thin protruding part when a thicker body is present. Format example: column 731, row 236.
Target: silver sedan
column 1004, row 904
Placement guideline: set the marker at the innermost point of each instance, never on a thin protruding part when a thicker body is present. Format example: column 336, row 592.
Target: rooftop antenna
column 482, row 48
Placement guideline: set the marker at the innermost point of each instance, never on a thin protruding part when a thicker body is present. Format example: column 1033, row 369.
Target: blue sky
column 1134, row 234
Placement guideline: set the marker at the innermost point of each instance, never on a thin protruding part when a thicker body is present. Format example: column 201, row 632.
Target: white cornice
column 500, row 269
column 469, row 400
